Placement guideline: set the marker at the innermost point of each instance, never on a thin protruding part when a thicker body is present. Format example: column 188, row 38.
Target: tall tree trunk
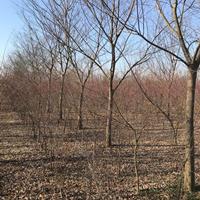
column 109, row 114
column 110, row 99
column 80, row 117
column 49, row 109
column 189, row 168
column 137, row 176
column 61, row 98
column 39, row 110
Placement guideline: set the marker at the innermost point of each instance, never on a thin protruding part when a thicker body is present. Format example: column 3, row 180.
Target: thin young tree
column 84, row 69
column 54, row 20
column 117, row 39
column 173, row 21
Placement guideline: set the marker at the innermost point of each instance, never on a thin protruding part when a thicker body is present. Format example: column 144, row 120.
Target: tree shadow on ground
column 197, row 188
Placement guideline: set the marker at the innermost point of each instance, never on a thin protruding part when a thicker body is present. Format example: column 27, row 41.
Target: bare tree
column 83, row 74
column 164, row 70
column 108, row 20
column 55, row 20
column 31, row 51
column 137, row 132
column 186, row 37
column 84, row 69
column 64, row 65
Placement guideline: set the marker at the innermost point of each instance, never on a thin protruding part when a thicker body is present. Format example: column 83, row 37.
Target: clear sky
column 10, row 25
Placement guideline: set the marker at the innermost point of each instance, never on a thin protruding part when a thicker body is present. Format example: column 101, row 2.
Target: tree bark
column 189, row 168
column 61, row 98
column 136, row 165
column 49, row 109
column 109, row 115
column 80, row 117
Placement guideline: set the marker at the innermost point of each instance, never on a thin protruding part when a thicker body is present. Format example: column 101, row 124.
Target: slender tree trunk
column 109, row 114
column 136, row 165
column 61, row 98
column 80, row 111
column 39, row 112
column 49, row 109
column 189, row 168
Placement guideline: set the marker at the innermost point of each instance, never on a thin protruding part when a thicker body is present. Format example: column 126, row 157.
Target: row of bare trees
column 69, row 44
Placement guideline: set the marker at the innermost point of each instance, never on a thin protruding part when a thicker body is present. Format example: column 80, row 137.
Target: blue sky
column 10, row 23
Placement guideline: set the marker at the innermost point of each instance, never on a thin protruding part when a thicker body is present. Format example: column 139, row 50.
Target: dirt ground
column 77, row 165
